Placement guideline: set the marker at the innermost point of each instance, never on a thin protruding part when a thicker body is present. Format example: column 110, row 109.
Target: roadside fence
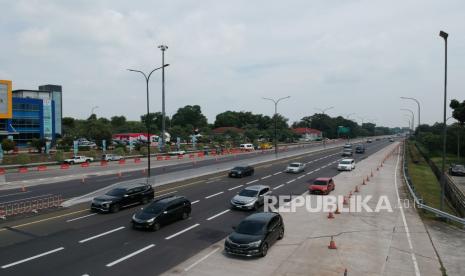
column 17, row 207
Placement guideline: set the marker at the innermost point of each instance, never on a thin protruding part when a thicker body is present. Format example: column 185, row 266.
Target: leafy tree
column 59, row 156
column 8, row 145
column 38, row 144
column 458, row 111
column 23, row 158
column 190, row 115
column 118, row 122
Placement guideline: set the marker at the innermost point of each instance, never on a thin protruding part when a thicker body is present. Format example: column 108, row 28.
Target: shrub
column 59, row 156
column 92, row 153
column 8, row 145
column 23, row 158
column 120, row 151
column 143, row 151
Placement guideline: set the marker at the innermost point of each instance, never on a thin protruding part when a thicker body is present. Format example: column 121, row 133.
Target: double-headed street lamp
column 92, row 110
column 444, row 131
column 418, row 104
column 276, row 122
column 147, row 119
column 413, row 117
column 323, row 110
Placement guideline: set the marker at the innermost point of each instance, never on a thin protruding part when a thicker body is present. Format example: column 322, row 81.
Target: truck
column 78, row 159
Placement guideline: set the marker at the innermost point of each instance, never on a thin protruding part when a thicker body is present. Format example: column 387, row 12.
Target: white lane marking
column 277, row 173
column 302, row 176
column 15, row 194
column 219, row 214
column 201, row 259
column 101, row 234
column 130, row 255
column 182, row 231
column 265, row 177
column 162, row 195
column 233, row 188
column 290, row 181
column 78, row 218
column 33, row 257
column 210, row 196
column 194, row 202
column 407, row 232
column 317, row 169
column 250, row 182
column 277, row 187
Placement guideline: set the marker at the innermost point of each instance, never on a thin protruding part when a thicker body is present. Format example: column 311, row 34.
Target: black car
column 360, row 149
column 121, row 197
column 241, row 171
column 457, row 170
column 255, row 234
column 161, row 212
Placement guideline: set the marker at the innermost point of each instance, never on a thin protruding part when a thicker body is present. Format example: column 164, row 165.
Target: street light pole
column 92, row 110
column 444, row 35
column 163, row 48
column 147, row 121
column 323, row 111
column 413, row 117
column 276, row 122
column 418, row 104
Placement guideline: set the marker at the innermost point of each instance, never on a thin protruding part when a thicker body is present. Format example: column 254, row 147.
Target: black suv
column 162, row 211
column 360, row 149
column 255, row 234
column 241, row 171
column 121, row 197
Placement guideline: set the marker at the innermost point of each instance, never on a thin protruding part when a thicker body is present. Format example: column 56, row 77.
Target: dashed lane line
column 277, row 187
column 219, row 214
column 78, row 218
column 130, row 255
column 32, row 258
column 233, row 188
column 182, row 231
column 101, row 234
column 213, row 195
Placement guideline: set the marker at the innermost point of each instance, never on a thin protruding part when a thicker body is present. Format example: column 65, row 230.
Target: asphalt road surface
column 77, row 242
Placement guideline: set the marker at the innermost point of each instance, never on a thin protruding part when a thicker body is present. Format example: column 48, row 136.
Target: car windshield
column 294, row 165
column 250, row 227
column 116, row 192
column 348, row 146
column 320, row 182
column 154, row 208
column 238, row 168
column 459, row 167
column 248, row 193
column 345, row 162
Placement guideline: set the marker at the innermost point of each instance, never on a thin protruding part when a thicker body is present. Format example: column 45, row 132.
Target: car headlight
column 250, row 203
column 228, row 240
column 150, row 220
column 255, row 244
column 105, row 203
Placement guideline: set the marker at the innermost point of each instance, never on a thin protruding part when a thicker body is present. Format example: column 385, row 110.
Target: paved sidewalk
column 384, row 243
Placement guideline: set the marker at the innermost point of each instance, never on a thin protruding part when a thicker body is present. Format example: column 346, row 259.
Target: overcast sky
column 358, row 56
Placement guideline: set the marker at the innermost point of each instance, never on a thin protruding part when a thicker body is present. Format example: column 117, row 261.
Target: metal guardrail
column 17, row 207
column 418, row 202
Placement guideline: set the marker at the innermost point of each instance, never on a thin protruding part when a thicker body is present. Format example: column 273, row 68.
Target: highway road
column 77, row 242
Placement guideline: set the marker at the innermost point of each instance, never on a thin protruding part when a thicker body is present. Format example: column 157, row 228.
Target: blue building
column 33, row 116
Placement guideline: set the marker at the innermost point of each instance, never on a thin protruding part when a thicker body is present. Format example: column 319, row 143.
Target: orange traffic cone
column 332, row 244
column 345, row 272
column 337, row 211
column 23, row 189
column 363, row 182
column 377, row 168
column 119, row 174
column 83, row 180
column 356, row 189
column 330, row 215
column 368, row 178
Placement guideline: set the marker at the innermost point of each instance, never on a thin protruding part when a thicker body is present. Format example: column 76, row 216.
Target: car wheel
column 281, row 234
column 264, row 249
column 156, row 226
column 185, row 215
column 144, row 200
column 71, row 163
column 114, row 208
column 256, row 206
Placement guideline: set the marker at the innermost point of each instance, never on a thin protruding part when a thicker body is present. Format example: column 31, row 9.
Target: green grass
column 425, row 182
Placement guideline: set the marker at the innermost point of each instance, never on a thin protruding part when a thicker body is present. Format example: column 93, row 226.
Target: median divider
column 23, row 170
column 85, row 165
column 122, row 161
column 64, row 166
column 103, row 163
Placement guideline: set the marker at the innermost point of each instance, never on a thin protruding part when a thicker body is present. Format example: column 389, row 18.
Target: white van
column 247, row 147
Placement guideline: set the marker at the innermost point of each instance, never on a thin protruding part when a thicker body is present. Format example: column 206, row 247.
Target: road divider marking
column 130, row 255
column 210, row 196
column 78, row 218
column 277, row 173
column 302, row 176
column 277, row 187
column 194, row 202
column 102, row 234
column 265, row 177
column 182, row 231
column 33, row 257
column 317, row 169
column 201, row 259
column 250, row 182
column 162, row 195
column 290, row 181
column 233, row 188
column 219, row 214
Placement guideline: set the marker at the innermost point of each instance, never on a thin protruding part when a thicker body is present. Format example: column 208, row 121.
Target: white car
column 78, row 159
column 295, row 167
column 111, row 157
column 346, row 165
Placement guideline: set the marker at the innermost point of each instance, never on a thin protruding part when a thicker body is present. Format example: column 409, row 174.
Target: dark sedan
column 241, row 171
column 457, row 170
column 255, row 234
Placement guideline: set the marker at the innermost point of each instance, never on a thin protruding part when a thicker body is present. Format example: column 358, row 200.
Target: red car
column 322, row 185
